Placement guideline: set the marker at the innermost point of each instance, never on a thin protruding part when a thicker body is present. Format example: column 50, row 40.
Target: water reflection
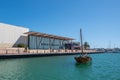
column 78, row 65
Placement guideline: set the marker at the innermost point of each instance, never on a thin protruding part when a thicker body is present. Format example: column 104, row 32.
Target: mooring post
column 6, row 51
column 18, row 51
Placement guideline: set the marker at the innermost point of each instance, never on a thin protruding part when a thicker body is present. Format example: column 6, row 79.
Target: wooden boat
column 83, row 58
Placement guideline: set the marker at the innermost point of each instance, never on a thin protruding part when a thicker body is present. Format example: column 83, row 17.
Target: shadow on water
column 83, row 70
column 3, row 60
column 83, row 65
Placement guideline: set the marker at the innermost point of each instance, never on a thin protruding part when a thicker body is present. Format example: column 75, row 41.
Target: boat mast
column 81, row 41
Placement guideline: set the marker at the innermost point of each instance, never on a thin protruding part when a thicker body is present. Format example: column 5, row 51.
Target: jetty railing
column 48, row 51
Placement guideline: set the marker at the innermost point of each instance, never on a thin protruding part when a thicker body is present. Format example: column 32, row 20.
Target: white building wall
column 11, row 35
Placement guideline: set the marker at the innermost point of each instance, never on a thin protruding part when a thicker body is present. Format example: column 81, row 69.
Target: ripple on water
column 103, row 67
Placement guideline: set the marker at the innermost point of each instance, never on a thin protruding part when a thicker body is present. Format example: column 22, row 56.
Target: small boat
column 83, row 58
column 116, row 51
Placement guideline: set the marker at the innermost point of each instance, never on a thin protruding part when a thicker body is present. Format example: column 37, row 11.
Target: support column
column 28, row 42
column 50, row 45
column 59, row 45
column 40, row 40
column 36, row 44
column 71, row 45
column 53, row 44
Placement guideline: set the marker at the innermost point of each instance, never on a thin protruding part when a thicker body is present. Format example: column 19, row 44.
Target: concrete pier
column 22, row 53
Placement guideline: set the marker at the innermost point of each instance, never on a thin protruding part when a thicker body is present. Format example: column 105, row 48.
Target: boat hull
column 81, row 59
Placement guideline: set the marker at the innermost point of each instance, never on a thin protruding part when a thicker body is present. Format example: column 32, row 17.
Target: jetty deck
column 21, row 53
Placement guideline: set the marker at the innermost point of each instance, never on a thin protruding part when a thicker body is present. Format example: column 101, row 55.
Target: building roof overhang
column 39, row 34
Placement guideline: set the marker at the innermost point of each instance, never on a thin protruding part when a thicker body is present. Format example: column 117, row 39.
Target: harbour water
column 103, row 67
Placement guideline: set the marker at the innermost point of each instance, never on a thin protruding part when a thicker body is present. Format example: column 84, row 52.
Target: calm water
column 103, row 67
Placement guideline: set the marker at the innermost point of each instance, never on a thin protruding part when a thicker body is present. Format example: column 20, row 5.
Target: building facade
column 11, row 36
column 38, row 40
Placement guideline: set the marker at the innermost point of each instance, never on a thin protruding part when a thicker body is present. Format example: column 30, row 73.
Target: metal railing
column 23, row 51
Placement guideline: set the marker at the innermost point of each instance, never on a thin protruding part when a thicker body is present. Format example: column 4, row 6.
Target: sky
column 99, row 19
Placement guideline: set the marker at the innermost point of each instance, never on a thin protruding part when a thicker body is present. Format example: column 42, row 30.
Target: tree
column 21, row 45
column 86, row 45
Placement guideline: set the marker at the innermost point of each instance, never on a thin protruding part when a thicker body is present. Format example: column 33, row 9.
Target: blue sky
column 99, row 19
